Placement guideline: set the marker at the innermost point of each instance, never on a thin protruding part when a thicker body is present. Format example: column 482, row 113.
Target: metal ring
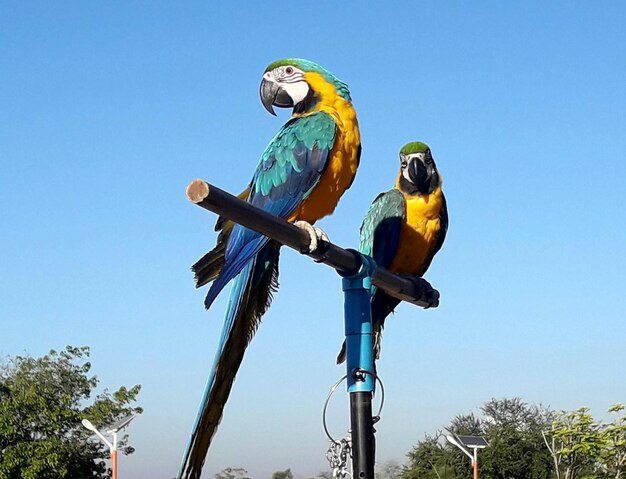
column 334, row 388
column 382, row 390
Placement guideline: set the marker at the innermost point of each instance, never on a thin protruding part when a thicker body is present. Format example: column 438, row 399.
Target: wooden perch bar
column 411, row 289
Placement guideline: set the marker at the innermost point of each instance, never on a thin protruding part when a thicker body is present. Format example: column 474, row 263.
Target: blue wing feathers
column 380, row 231
column 233, row 267
column 289, row 169
column 386, row 240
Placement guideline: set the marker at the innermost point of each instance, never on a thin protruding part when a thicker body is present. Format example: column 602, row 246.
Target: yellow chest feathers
column 344, row 156
column 419, row 234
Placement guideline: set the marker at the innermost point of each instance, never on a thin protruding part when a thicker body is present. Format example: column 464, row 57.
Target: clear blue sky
column 109, row 109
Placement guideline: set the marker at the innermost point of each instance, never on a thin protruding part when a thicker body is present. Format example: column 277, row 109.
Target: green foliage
column 429, row 459
column 232, row 473
column 613, row 457
column 42, row 403
column 582, row 447
column 516, row 449
column 466, row 424
column 286, row 474
column 575, row 443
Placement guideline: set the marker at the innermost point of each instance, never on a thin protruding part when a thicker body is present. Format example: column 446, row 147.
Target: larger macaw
column 302, row 174
column 404, row 228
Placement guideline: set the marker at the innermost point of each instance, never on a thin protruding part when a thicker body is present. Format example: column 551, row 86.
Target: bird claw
column 316, row 235
column 321, row 235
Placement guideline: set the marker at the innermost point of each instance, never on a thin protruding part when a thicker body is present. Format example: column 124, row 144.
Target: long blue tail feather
column 249, row 298
column 237, row 293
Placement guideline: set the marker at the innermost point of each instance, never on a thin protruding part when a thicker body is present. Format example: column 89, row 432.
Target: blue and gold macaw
column 404, row 228
column 302, row 174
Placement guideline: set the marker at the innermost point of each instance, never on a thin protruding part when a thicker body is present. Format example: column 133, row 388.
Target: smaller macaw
column 404, row 228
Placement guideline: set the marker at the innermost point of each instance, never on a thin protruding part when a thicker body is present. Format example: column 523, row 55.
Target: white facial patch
column 297, row 91
column 287, row 74
column 291, row 79
column 408, row 159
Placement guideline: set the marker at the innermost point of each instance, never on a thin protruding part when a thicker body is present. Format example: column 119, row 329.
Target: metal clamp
column 367, row 268
column 375, row 418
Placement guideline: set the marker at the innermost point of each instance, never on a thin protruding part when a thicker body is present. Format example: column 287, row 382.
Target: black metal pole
column 362, row 434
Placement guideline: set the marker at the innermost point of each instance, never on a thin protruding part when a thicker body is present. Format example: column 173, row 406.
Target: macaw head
column 298, row 84
column 418, row 172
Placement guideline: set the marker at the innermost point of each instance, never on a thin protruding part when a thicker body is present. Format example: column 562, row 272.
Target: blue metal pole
column 360, row 367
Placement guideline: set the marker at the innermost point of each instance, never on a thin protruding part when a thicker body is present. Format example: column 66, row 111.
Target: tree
column 516, row 449
column 613, row 457
column 42, row 403
column 286, row 474
column 432, row 458
column 466, row 424
column 575, row 442
column 232, row 473
column 583, row 447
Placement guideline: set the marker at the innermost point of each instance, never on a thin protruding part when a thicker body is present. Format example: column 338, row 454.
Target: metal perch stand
column 359, row 273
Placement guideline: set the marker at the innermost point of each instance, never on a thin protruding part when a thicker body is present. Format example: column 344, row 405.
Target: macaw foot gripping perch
column 319, row 239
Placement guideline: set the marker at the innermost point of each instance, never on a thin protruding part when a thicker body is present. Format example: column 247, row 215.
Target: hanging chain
column 338, row 455
column 339, row 452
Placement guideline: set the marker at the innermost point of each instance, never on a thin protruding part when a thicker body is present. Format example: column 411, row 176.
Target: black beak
column 417, row 173
column 273, row 95
column 423, row 176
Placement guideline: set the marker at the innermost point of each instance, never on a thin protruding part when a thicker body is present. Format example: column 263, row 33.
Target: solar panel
column 473, row 441
column 122, row 423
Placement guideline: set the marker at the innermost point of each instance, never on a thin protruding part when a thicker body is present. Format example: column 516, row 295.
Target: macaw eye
column 288, row 70
column 403, row 164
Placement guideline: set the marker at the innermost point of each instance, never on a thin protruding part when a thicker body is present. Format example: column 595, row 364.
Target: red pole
column 114, row 464
column 475, row 470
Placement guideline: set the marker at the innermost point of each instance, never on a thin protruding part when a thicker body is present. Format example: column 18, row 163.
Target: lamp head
column 88, row 425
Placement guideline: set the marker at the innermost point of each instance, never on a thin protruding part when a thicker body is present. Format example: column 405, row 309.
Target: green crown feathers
column 414, row 147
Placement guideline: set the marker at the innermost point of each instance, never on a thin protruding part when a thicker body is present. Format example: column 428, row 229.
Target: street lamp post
column 465, row 443
column 113, row 429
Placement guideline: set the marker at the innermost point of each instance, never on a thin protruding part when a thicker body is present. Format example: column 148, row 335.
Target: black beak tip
column 267, row 92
